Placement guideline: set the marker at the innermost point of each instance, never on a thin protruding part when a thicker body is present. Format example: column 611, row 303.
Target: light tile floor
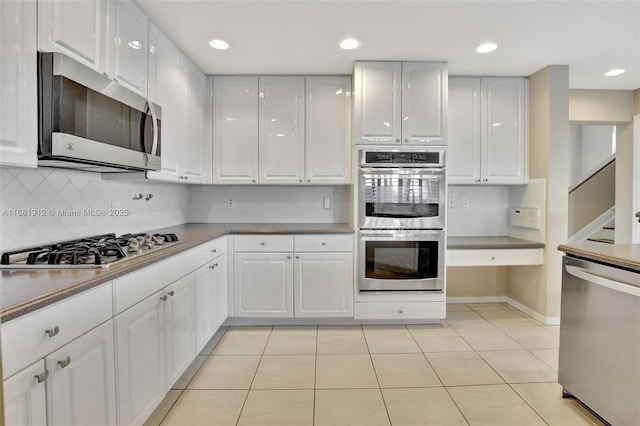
column 487, row 364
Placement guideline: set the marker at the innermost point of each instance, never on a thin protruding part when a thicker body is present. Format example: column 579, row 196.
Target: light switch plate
column 525, row 217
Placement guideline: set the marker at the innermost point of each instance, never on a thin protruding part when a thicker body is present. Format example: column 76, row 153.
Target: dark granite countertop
column 24, row 291
column 479, row 243
column 623, row 255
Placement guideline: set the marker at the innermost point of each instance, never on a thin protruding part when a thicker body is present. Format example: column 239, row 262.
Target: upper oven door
column 402, row 198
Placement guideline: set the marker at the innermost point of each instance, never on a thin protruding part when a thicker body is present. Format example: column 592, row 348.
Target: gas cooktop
column 100, row 251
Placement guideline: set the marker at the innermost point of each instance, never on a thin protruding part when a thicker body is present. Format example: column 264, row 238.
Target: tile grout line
column 254, row 376
column 375, row 372
column 315, row 378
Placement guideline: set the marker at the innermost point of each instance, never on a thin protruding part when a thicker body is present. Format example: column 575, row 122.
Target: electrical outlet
column 451, row 201
column 231, row 204
column 465, row 203
column 326, row 203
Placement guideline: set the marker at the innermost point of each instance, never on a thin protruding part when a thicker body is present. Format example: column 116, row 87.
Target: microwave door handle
column 154, row 145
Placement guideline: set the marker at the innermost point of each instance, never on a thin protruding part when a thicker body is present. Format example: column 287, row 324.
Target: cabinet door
column 235, row 130
column 140, row 359
column 24, row 397
column 281, row 147
column 263, row 285
column 179, row 327
column 192, row 156
column 81, row 389
column 74, row 27
column 463, row 153
column 127, row 45
column 204, row 304
column 504, row 143
column 323, row 285
column 424, row 103
column 328, row 128
column 376, row 102
column 220, row 292
column 167, row 90
column 18, row 74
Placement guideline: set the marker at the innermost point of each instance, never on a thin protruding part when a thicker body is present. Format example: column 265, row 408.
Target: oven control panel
column 394, row 158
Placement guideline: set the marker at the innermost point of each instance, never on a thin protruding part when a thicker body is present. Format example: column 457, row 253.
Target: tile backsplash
column 44, row 205
column 478, row 211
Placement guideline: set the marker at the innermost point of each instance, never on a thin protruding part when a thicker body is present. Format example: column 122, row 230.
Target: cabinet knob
column 42, row 376
column 64, row 362
column 213, row 251
column 163, row 298
column 288, row 257
column 406, row 141
column 493, row 258
column 297, row 257
column 212, row 266
column 477, row 180
column 53, row 331
column 300, row 180
column 171, row 293
column 308, row 180
column 398, row 140
column 400, row 311
column 262, row 244
column 253, row 181
column 323, row 243
column 485, row 180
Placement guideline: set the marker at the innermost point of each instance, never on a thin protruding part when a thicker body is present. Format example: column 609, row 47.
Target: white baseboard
column 533, row 314
column 480, row 299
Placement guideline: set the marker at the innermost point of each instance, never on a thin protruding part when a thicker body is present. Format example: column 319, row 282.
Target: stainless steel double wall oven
column 401, row 219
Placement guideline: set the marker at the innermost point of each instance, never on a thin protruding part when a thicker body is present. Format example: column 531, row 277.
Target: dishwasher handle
column 601, row 281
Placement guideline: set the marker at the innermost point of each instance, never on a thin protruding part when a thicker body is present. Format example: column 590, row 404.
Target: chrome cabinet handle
column 171, row 293
column 42, row 376
column 64, row 362
column 53, row 331
column 164, row 298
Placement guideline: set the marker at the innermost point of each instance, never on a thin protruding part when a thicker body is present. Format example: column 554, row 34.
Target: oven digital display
column 402, row 157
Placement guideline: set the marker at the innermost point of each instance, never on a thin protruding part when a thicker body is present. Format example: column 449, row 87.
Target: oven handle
column 401, row 234
column 404, row 171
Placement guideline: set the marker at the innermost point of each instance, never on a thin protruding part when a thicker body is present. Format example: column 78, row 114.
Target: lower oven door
column 402, row 260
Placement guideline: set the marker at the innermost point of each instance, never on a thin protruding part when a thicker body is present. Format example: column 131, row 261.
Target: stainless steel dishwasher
column 600, row 339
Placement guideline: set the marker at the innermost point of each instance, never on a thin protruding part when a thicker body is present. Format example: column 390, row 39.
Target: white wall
column 597, row 145
column 45, row 189
column 487, row 214
column 269, row 204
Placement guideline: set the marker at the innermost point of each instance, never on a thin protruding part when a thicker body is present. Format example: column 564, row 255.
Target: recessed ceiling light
column 614, row 72
column 486, row 48
column 219, row 44
column 349, row 43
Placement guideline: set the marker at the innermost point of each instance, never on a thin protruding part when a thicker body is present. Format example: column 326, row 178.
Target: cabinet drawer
column 132, row 288
column 266, row 243
column 497, row 257
column 315, row 243
column 25, row 339
column 208, row 251
column 399, row 310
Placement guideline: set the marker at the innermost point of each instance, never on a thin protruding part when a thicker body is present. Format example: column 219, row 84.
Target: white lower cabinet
column 321, row 285
column 81, row 387
column 140, row 353
column 154, row 346
column 24, row 397
column 263, row 285
column 272, row 280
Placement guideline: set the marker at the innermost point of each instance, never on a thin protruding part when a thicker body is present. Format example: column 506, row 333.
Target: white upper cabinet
column 400, row 103
column 193, row 155
column 77, row 28
column 127, row 45
column 424, row 103
column 504, row 130
column 377, row 102
column 281, row 140
column 281, row 130
column 235, row 130
column 488, row 130
column 179, row 88
column 463, row 156
column 328, row 130
column 18, row 79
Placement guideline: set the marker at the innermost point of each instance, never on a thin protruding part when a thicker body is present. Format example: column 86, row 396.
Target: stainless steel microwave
column 89, row 122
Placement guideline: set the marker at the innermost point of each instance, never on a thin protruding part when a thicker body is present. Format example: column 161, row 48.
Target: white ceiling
column 301, row 36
